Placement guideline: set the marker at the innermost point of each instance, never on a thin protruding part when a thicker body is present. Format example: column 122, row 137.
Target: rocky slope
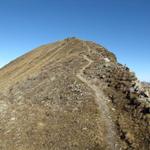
column 146, row 86
column 73, row 95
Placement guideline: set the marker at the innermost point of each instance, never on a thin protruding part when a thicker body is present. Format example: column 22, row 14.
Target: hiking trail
column 101, row 101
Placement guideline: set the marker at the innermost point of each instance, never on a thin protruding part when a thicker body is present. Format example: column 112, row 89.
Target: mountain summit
column 72, row 95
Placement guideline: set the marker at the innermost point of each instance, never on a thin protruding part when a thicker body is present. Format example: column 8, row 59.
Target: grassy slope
column 44, row 106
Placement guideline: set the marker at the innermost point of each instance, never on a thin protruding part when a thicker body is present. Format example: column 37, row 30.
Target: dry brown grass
column 44, row 106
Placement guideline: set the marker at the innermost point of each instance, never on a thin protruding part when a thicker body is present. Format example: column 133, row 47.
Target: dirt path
column 101, row 100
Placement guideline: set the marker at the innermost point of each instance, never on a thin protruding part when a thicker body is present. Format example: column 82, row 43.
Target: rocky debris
column 146, row 87
column 127, row 95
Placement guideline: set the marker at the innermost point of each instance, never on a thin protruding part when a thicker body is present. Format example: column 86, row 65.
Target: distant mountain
column 146, row 83
column 146, row 86
column 72, row 95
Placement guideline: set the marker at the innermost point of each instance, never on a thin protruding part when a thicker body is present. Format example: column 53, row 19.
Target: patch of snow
column 107, row 59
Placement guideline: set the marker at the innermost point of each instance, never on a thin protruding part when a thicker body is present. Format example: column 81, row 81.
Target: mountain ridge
column 72, row 94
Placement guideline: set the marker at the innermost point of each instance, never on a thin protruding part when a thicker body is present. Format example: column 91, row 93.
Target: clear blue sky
column 122, row 26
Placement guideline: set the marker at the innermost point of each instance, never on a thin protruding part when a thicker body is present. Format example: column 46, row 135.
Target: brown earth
column 67, row 95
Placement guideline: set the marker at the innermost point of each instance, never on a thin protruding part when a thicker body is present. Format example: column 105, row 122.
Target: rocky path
column 101, row 100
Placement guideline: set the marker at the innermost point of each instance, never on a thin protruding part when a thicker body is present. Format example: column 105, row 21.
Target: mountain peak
column 72, row 94
column 50, row 53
